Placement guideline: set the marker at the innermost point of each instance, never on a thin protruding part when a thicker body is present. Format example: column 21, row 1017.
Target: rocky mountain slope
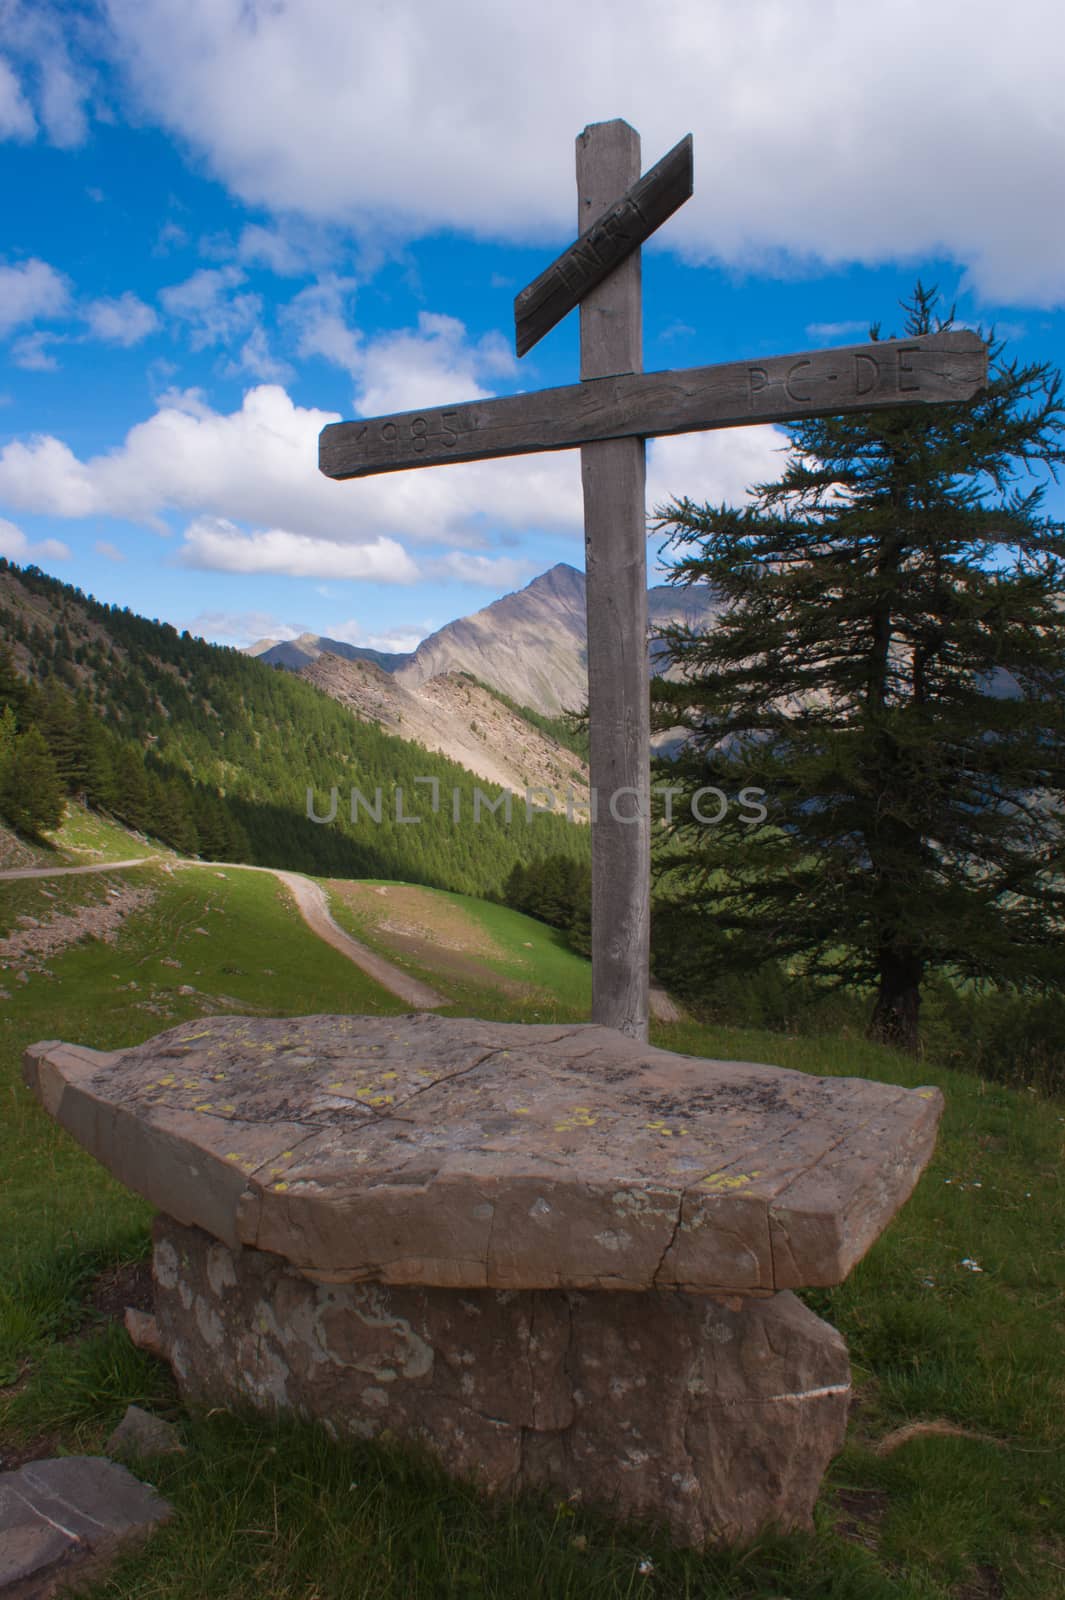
column 453, row 715
column 532, row 645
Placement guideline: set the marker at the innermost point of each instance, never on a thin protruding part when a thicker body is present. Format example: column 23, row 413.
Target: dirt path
column 70, row 872
column 311, row 904
column 313, row 907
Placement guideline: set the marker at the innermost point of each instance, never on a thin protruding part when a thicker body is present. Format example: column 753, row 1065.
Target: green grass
column 86, row 836
column 532, row 954
column 269, row 1510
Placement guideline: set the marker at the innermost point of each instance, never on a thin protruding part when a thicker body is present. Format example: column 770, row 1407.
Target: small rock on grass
column 141, row 1434
column 62, row 1520
column 143, row 1331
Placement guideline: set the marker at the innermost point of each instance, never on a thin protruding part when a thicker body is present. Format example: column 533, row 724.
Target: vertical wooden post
column 615, row 538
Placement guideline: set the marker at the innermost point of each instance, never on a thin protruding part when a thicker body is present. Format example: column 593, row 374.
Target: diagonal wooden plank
column 615, row 234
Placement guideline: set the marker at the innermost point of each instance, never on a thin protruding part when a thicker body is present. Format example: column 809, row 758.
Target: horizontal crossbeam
column 601, row 247
column 933, row 368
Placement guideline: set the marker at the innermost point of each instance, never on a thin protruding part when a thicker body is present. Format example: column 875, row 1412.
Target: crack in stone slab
column 672, row 1238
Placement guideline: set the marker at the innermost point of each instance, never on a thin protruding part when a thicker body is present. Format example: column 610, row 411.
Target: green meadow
column 955, row 1319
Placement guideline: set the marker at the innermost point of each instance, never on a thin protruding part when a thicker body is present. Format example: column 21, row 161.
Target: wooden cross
column 609, row 414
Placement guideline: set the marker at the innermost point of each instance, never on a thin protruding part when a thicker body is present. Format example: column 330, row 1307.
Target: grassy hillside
column 954, row 1319
column 119, row 697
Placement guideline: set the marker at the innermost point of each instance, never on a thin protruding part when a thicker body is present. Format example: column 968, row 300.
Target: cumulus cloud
column 318, row 318
column 109, row 551
column 290, row 248
column 240, row 627
column 125, row 320
column 16, row 118
column 401, row 641
column 205, row 304
column 16, row 547
column 33, row 352
column 838, row 332
column 492, row 572
column 712, row 467
column 259, row 466
column 218, row 546
column 258, row 360
column 429, row 366
column 37, row 36
column 29, row 291
column 824, row 135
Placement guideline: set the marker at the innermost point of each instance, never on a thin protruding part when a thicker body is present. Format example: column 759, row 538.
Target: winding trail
column 313, row 907
column 311, row 903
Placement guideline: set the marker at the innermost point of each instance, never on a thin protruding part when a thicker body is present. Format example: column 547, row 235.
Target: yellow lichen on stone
column 579, row 1117
column 205, row 1107
column 721, row 1180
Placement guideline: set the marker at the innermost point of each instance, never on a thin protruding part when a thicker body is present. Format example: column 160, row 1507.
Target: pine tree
column 890, row 669
column 12, row 685
column 31, row 791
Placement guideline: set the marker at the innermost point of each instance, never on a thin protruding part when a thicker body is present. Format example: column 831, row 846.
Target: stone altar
column 552, row 1253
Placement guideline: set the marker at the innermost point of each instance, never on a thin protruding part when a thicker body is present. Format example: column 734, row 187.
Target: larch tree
column 889, row 667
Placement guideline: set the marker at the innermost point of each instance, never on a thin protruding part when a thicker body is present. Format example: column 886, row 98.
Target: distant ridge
column 531, row 645
column 297, row 653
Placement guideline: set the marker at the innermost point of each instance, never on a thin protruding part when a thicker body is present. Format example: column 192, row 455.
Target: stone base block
column 717, row 1416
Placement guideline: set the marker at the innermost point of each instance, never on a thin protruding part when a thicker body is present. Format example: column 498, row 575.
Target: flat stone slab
column 62, row 1520
column 457, row 1153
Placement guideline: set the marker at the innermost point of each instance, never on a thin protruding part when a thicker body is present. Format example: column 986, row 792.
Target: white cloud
column 16, row 119
column 428, row 367
column 854, row 332
column 401, row 642
column 33, row 354
column 257, row 359
column 37, row 36
column 125, row 320
column 171, row 236
column 16, row 547
column 824, row 136
column 318, row 316
column 289, row 248
column 218, row 546
column 493, row 572
column 109, row 551
column 259, row 465
column 31, row 290
column 212, row 314
column 240, row 627
column 712, row 467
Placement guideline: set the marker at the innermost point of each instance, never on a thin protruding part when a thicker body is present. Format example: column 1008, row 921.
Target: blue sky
column 227, row 222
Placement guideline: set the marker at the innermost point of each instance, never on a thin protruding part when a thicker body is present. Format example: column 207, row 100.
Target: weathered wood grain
column 613, row 474
column 631, row 404
column 614, row 234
